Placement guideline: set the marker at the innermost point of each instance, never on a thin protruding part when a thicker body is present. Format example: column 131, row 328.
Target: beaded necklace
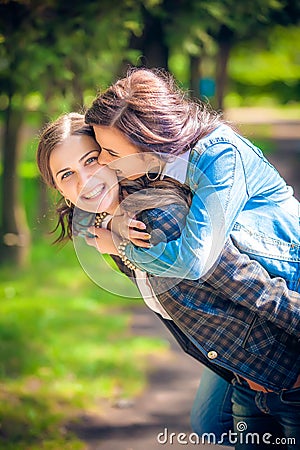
column 99, row 218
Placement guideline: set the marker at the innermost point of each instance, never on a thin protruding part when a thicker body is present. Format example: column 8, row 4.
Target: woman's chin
column 104, row 205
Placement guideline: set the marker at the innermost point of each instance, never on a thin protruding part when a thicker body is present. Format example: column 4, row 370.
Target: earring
column 68, row 203
column 157, row 175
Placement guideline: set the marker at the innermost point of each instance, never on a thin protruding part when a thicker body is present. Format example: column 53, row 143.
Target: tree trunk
column 43, row 206
column 224, row 48
column 221, row 73
column 14, row 236
column 155, row 50
column 77, row 89
column 195, row 76
column 151, row 44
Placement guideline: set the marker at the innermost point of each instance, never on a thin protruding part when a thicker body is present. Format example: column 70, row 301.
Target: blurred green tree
column 58, row 50
column 208, row 30
column 274, row 60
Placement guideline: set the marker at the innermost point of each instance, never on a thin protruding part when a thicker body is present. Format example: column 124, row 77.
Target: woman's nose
column 103, row 158
column 83, row 178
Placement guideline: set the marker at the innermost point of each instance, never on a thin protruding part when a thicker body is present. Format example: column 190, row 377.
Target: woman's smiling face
column 79, row 177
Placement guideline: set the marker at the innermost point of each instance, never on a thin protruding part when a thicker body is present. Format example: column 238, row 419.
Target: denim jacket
column 237, row 193
column 238, row 321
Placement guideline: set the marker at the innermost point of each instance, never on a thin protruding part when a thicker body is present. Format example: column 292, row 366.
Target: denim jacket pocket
column 278, row 257
column 256, row 242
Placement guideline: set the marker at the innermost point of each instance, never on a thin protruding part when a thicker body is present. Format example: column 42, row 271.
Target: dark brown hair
column 141, row 194
column 153, row 112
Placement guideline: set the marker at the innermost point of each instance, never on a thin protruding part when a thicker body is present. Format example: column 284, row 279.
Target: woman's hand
column 131, row 229
column 104, row 241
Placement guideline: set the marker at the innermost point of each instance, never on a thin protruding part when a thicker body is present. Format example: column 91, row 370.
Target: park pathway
column 165, row 404
column 173, row 381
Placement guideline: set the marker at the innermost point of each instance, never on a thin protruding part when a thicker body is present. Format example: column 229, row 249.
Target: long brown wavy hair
column 153, row 112
column 147, row 194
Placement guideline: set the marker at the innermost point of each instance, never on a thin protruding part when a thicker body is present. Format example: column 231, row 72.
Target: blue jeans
column 212, row 409
column 266, row 420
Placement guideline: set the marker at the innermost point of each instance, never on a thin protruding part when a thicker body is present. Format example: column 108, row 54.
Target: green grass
column 65, row 346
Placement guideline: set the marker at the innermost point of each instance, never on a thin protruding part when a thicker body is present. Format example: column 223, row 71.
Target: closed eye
column 110, row 152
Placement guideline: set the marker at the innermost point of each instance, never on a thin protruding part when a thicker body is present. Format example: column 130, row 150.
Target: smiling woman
column 80, row 178
column 67, row 158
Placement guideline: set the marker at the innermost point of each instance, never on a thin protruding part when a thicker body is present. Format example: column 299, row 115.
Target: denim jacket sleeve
column 217, row 180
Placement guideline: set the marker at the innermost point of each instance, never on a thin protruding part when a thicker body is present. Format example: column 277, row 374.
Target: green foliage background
column 66, row 344
column 65, row 347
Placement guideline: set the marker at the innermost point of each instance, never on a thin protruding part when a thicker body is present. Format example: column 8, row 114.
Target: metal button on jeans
column 212, row 354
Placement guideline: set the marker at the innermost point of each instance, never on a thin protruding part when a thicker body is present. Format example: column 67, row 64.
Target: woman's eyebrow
column 62, row 170
column 87, row 153
column 82, row 157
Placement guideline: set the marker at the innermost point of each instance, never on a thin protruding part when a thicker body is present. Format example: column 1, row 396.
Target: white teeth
column 94, row 192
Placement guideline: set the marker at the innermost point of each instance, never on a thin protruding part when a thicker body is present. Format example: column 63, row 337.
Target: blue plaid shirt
column 238, row 320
